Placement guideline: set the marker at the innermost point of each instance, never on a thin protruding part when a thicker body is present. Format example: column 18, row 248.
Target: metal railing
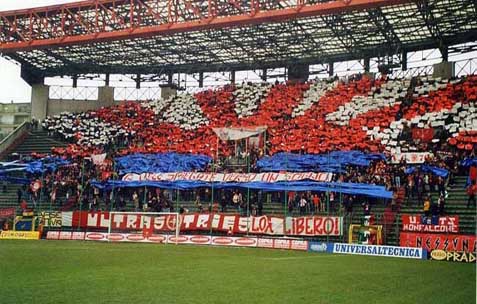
column 128, row 93
column 71, row 93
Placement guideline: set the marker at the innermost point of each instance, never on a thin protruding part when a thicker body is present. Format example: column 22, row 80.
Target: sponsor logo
column 318, row 247
column 299, row 245
column 265, row 243
column 389, row 251
column 222, row 241
column 245, row 241
column 157, row 238
column 281, row 244
column 95, row 236
column 65, row 235
column 438, row 255
column 200, row 239
column 115, row 237
column 180, row 239
column 77, row 236
column 135, row 237
column 19, row 235
column 453, row 256
column 52, row 235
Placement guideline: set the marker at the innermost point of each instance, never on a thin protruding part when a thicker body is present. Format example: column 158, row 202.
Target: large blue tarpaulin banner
column 429, row 169
column 47, row 164
column 468, row 162
column 161, row 162
column 345, row 188
column 332, row 162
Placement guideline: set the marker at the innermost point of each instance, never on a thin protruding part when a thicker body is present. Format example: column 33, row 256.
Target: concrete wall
column 167, row 91
column 105, row 99
column 42, row 106
column 39, row 100
column 444, row 70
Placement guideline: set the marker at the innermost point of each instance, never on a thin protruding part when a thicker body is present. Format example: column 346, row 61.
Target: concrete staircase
column 37, row 141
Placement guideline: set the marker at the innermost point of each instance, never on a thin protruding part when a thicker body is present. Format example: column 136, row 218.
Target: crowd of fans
column 152, row 127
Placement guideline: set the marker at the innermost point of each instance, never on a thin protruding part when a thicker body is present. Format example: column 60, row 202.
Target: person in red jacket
column 471, row 192
column 473, row 173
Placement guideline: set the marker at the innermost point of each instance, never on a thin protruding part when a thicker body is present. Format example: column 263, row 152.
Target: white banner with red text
column 213, row 222
column 410, row 157
column 266, row 177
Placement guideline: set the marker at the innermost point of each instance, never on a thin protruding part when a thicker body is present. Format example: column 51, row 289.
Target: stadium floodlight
column 146, row 224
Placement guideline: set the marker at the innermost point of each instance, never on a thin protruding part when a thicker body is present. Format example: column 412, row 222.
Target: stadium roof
column 159, row 36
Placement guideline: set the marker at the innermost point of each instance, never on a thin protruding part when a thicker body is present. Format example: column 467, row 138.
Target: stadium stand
column 390, row 116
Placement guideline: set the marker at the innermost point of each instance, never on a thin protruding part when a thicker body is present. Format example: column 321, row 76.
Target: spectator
column 316, row 203
column 427, row 205
column 135, row 198
column 19, row 195
column 441, row 204
column 290, row 207
column 236, row 201
column 303, row 204
column 23, row 206
column 198, row 204
column 366, row 209
column 471, row 192
column 223, row 202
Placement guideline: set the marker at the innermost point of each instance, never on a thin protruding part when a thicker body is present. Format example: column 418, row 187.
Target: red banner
column 448, row 242
column 7, row 212
column 418, row 223
column 425, row 135
column 270, row 225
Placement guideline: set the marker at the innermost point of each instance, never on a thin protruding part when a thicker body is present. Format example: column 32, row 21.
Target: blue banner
column 346, row 188
column 468, row 162
column 332, row 162
column 429, row 169
column 161, row 162
column 321, row 247
column 377, row 250
column 47, row 164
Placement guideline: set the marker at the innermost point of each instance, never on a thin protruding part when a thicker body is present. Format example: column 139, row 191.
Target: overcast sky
column 12, row 87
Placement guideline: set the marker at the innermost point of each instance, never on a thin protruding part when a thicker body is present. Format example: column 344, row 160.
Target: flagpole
column 81, row 193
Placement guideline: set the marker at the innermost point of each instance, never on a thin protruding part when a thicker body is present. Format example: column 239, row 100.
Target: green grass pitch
column 90, row 272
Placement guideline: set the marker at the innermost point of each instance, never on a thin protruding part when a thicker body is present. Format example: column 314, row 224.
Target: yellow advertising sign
column 19, row 235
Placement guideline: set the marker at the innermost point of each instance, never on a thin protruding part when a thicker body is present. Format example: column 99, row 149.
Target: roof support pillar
column 444, row 53
column 444, row 70
column 366, row 64
column 138, row 81
column 232, row 77
column 404, row 60
column 331, row 70
column 40, row 94
column 201, row 79
column 298, row 72
column 264, row 75
column 169, row 78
